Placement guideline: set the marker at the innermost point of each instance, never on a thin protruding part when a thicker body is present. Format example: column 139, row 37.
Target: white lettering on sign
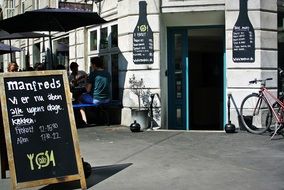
column 55, row 108
column 33, row 86
column 16, row 112
column 22, row 121
column 54, row 97
column 35, row 110
column 14, row 100
column 24, row 130
column 38, row 99
column 22, row 140
column 25, row 100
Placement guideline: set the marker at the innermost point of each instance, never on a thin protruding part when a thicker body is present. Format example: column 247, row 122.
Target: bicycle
column 257, row 110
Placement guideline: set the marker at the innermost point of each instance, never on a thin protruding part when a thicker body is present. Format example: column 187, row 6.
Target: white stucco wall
column 128, row 11
column 170, row 13
column 263, row 16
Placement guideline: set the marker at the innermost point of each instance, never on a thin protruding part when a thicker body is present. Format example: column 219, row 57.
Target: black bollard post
column 229, row 127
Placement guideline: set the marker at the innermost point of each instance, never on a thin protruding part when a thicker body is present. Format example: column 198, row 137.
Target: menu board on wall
column 243, row 36
column 143, row 48
column 39, row 130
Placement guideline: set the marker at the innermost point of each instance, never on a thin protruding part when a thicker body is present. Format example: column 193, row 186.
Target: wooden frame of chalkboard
column 40, row 130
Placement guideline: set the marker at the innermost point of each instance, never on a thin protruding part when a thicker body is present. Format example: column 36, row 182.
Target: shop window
column 104, row 38
column 23, row 59
column 36, row 53
column 11, row 3
column 107, row 38
column 111, row 65
column 114, row 36
column 36, row 4
column 114, row 77
column 22, row 6
column 61, row 48
column 106, row 60
column 103, row 41
column 1, row 64
column 93, row 40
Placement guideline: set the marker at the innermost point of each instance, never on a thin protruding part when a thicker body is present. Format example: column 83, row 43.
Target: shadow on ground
column 99, row 174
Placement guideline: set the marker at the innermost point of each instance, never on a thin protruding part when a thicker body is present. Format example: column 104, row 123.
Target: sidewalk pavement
column 177, row 160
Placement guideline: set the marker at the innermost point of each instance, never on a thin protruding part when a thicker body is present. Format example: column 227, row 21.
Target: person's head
column 97, row 62
column 39, row 67
column 74, row 66
column 12, row 67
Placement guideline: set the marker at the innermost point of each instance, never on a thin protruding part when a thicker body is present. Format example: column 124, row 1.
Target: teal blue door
column 195, row 73
column 177, row 78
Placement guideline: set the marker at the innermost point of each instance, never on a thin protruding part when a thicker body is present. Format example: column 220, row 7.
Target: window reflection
column 114, row 77
column 114, row 36
column 93, row 40
column 178, row 65
column 179, row 116
column 104, row 39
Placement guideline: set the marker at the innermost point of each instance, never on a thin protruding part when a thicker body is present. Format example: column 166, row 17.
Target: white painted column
column 128, row 11
column 263, row 16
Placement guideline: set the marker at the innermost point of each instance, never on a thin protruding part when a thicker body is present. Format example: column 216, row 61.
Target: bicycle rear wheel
column 256, row 114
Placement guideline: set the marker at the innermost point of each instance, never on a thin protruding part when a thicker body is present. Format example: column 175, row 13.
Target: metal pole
column 28, row 55
column 51, row 54
column 11, row 56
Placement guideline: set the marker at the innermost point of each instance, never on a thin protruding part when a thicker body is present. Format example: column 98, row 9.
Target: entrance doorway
column 195, row 78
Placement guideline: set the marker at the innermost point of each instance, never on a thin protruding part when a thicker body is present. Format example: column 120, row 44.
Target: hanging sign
column 75, row 6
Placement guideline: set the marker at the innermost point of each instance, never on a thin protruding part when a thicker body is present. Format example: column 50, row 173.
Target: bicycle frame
column 266, row 94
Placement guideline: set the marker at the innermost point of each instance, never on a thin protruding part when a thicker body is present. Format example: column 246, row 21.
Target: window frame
column 109, row 39
column 36, row 4
column 22, row 6
column 108, row 52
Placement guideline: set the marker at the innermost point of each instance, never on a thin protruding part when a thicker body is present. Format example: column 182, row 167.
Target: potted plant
column 141, row 114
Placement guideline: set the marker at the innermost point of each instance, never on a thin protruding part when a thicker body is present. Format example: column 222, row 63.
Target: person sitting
column 77, row 78
column 13, row 67
column 98, row 86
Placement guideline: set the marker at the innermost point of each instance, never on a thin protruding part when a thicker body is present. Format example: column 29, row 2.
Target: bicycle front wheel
column 277, row 109
column 255, row 113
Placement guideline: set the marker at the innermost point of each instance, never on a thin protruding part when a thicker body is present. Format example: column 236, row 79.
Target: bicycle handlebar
column 257, row 80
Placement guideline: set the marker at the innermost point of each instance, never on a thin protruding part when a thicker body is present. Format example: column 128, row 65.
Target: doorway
column 196, row 78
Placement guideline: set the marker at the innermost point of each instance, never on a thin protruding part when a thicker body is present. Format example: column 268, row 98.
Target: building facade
column 195, row 53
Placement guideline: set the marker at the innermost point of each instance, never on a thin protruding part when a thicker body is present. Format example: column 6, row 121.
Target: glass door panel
column 177, row 53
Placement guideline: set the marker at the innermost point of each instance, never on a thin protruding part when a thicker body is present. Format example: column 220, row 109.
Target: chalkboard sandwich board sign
column 39, row 125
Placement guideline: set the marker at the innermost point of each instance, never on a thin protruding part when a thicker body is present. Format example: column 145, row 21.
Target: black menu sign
column 38, row 128
column 143, row 50
column 243, row 36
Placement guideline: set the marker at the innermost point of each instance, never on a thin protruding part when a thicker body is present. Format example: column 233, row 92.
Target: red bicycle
column 262, row 111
